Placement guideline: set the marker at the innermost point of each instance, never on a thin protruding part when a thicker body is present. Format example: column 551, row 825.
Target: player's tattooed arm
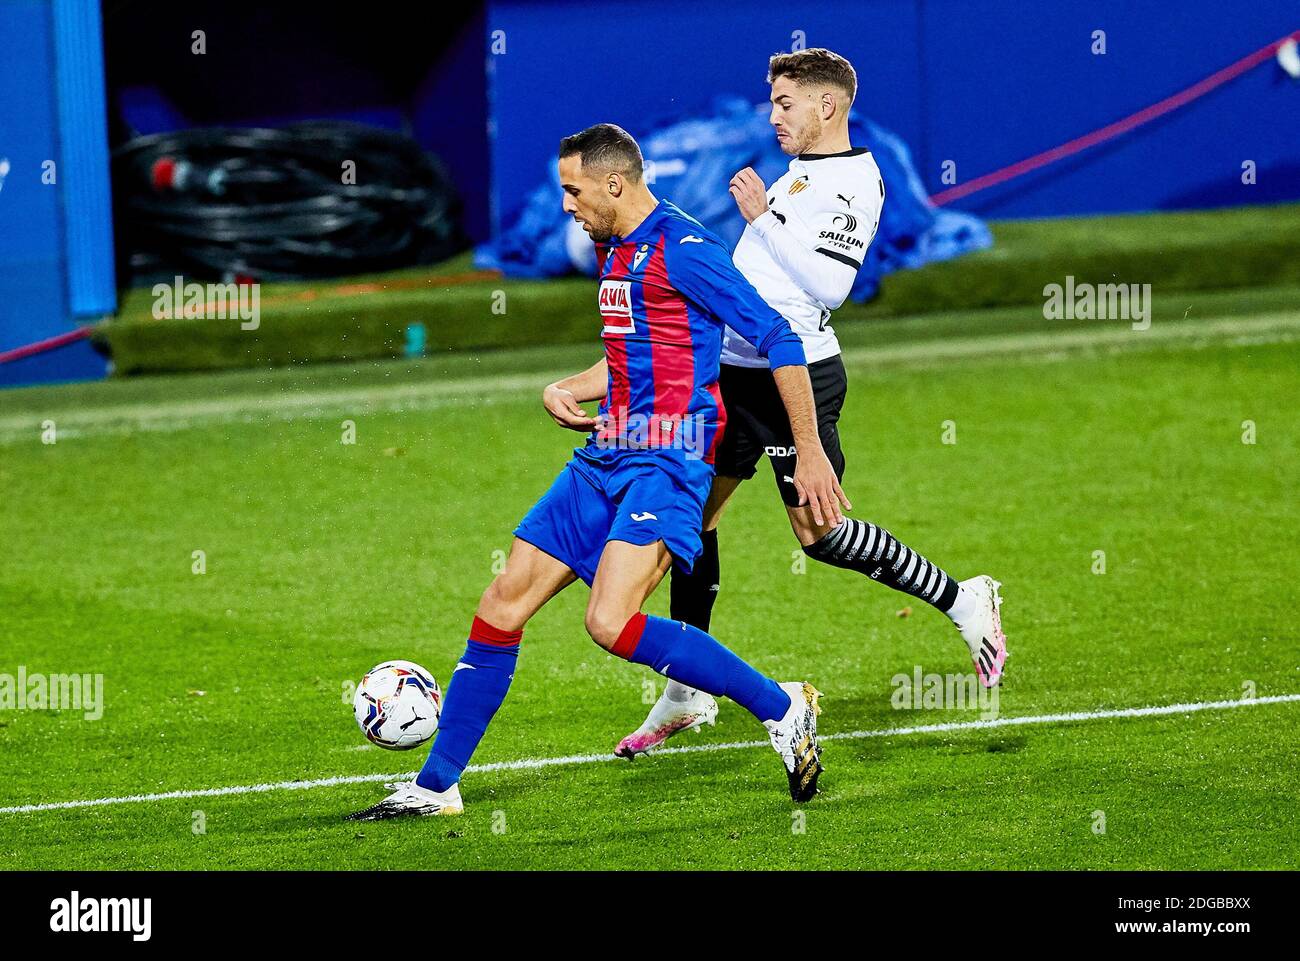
column 814, row 478
column 563, row 399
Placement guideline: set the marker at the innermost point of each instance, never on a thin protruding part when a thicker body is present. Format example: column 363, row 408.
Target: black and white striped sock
column 860, row 546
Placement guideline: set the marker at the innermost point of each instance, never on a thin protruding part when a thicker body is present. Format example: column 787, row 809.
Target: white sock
column 678, row 693
column 963, row 607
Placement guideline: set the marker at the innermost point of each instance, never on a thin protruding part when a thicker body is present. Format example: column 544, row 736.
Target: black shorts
column 757, row 423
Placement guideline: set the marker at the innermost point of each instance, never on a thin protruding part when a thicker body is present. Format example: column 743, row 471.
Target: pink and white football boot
column 982, row 629
column 665, row 719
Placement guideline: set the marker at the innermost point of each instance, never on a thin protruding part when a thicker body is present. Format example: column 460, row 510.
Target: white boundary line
column 436, row 393
column 533, row 763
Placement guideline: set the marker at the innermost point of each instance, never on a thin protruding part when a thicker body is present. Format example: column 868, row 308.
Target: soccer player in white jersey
column 806, row 238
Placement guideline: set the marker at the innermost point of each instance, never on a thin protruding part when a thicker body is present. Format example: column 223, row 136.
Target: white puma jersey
column 829, row 204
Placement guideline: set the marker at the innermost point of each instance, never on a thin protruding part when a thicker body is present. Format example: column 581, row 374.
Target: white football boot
column 982, row 629
column 794, row 738
column 410, row 800
column 665, row 719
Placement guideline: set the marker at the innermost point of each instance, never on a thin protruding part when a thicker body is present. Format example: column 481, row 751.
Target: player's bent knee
column 806, row 530
column 503, row 605
column 605, row 624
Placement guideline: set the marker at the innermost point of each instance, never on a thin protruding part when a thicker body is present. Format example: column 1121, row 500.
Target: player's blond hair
column 816, row 66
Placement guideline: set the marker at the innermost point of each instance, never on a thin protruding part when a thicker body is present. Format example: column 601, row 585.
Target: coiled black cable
column 274, row 204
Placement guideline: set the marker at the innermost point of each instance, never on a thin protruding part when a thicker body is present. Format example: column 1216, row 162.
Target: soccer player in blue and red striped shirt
column 630, row 502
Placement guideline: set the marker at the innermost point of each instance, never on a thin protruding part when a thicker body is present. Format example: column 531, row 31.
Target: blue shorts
column 638, row 496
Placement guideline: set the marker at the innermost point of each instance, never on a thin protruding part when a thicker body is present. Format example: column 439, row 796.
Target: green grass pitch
column 323, row 558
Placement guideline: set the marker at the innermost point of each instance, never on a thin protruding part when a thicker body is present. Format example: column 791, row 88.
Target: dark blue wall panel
column 983, row 84
column 569, row 65
column 1020, row 77
column 449, row 117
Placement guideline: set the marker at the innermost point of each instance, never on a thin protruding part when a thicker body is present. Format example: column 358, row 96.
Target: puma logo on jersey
column 644, row 516
column 691, row 239
column 848, row 201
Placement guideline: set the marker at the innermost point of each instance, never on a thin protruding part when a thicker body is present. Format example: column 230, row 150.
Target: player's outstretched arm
column 814, row 477
column 563, row 399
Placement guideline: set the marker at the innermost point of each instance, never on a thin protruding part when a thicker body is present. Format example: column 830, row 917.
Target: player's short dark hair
column 816, row 65
column 604, row 147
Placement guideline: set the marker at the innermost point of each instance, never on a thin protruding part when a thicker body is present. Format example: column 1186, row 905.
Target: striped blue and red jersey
column 667, row 292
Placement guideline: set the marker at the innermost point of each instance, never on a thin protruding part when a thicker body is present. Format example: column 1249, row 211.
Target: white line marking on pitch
column 437, row 393
column 532, row 763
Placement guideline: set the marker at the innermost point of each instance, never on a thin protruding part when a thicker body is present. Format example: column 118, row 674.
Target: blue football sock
column 477, row 688
column 692, row 657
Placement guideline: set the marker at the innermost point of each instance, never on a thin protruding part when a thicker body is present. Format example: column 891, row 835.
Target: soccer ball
column 397, row 705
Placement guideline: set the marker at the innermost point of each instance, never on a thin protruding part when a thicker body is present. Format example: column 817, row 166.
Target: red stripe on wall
column 41, row 346
column 1116, row 129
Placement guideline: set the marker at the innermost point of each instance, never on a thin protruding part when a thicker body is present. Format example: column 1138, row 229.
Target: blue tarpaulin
column 691, row 162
